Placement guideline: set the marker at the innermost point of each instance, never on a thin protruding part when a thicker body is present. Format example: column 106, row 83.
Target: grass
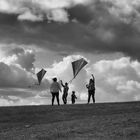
column 106, row 121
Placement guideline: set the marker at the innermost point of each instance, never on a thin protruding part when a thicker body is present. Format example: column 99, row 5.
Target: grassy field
column 108, row 121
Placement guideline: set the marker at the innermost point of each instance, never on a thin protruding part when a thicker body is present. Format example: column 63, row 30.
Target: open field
column 108, row 121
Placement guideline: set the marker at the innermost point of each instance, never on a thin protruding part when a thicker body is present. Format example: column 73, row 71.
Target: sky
column 50, row 34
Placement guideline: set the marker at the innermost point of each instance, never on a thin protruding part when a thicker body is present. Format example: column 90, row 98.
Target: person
column 91, row 89
column 73, row 97
column 65, row 92
column 54, row 89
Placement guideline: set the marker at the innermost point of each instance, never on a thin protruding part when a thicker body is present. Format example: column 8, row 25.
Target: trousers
column 91, row 93
column 55, row 94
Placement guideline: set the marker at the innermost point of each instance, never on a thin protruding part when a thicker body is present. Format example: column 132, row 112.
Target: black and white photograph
column 69, row 69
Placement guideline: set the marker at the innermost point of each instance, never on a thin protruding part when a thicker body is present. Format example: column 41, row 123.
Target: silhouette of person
column 91, row 89
column 65, row 92
column 54, row 89
column 73, row 97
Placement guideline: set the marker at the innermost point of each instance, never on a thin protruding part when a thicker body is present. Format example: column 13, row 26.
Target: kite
column 40, row 75
column 77, row 66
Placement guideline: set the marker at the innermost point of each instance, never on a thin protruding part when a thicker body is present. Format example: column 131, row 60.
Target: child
column 65, row 92
column 73, row 97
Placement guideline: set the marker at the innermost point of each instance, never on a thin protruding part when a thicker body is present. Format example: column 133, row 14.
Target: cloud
column 17, row 66
column 14, row 76
column 73, row 27
column 18, row 83
column 125, row 10
column 26, row 60
column 58, row 15
column 16, row 93
column 18, row 55
column 63, row 71
column 89, row 28
column 4, row 102
column 116, row 80
column 39, row 10
column 29, row 16
column 18, row 101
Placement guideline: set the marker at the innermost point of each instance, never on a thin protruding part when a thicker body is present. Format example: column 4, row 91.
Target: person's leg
column 93, row 96
column 65, row 101
column 89, row 95
column 53, row 96
column 93, row 93
column 66, row 98
column 72, row 101
column 63, row 98
column 57, row 97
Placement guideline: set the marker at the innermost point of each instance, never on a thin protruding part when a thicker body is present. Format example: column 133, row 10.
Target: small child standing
column 73, row 97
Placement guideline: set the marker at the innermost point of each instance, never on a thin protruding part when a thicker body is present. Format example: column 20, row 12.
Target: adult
column 54, row 89
column 91, row 89
column 65, row 92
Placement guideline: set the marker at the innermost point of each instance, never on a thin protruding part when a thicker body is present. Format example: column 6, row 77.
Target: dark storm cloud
column 16, row 51
column 80, row 13
column 13, row 76
column 24, row 57
column 101, row 27
column 26, row 60
column 35, row 10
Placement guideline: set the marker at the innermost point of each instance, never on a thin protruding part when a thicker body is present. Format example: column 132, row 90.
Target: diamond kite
column 78, row 65
column 40, row 75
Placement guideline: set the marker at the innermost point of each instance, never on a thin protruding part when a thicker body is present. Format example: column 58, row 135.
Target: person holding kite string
column 54, row 89
column 65, row 92
column 91, row 89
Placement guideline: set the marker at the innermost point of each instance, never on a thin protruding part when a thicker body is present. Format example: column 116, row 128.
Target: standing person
column 91, row 89
column 65, row 92
column 54, row 89
column 73, row 97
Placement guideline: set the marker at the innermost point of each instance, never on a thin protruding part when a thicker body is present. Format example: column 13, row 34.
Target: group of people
column 55, row 88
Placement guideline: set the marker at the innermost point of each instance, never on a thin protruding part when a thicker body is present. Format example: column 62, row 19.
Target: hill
column 105, row 121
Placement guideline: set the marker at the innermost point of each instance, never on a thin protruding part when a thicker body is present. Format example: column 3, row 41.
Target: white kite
column 77, row 66
column 40, row 75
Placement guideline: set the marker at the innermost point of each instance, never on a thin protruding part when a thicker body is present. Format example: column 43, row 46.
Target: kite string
column 71, row 80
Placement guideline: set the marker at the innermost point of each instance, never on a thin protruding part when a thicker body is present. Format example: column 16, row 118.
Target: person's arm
column 93, row 80
column 62, row 83
column 92, row 76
